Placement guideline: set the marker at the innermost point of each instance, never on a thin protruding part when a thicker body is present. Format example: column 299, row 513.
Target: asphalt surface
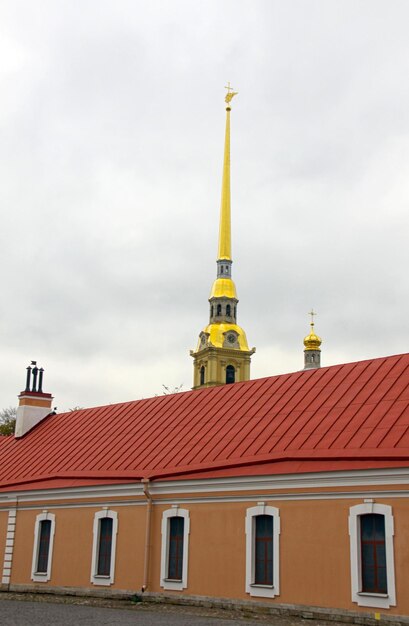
column 40, row 613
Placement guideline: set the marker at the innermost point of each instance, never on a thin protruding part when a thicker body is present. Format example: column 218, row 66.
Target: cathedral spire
column 224, row 253
column 222, row 354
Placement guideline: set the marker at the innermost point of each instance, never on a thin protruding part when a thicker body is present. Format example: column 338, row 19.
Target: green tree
column 8, row 420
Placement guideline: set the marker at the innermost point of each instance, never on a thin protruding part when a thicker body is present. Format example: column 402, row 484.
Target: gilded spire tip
column 230, row 93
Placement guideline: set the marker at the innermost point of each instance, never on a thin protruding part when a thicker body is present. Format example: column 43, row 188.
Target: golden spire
column 224, row 252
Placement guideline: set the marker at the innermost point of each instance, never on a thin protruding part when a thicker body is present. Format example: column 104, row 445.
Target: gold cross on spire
column 230, row 93
column 312, row 313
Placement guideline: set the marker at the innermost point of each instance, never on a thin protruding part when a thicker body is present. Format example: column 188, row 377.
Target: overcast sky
column 111, row 148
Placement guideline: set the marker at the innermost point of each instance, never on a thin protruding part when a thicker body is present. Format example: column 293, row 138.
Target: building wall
column 314, row 545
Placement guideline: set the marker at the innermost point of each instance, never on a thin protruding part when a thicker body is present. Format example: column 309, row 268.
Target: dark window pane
column 368, row 579
column 380, row 555
column 379, row 525
column 382, row 584
column 105, row 547
column 368, row 556
column 230, row 374
column 373, row 553
column 263, row 567
column 44, row 546
column 175, row 556
column 366, row 526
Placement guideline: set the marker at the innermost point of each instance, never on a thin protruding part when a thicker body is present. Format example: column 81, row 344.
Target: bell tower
column 312, row 347
column 222, row 354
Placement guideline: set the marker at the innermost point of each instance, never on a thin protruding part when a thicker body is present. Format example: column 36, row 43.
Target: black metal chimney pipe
column 40, row 380
column 28, row 379
column 35, row 373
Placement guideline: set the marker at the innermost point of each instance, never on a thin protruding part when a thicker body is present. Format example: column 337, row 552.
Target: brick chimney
column 34, row 404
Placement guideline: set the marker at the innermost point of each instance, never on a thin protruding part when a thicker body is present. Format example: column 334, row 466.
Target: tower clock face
column 203, row 339
column 231, row 338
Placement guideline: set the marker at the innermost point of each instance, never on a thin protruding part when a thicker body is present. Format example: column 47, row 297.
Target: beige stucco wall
column 314, row 549
column 73, row 540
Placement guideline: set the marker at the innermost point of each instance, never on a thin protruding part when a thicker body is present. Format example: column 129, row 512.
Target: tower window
column 219, row 309
column 230, row 374
column 202, row 375
column 222, row 269
column 228, row 310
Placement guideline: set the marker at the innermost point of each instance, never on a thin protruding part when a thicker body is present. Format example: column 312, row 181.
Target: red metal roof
column 340, row 417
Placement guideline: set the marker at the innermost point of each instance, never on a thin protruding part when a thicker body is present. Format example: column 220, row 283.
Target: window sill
column 99, row 579
column 372, row 594
column 40, row 577
column 172, row 580
column 259, row 586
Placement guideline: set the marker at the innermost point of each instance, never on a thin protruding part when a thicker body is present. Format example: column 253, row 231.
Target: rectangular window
column 105, row 546
column 373, row 553
column 263, row 570
column 175, row 562
column 175, row 548
column 43, row 546
column 263, row 551
column 371, row 531
column 44, row 531
column 105, row 531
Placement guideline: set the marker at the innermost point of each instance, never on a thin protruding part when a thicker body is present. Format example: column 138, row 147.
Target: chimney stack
column 34, row 404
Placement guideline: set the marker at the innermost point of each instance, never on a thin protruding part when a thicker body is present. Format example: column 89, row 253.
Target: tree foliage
column 8, row 420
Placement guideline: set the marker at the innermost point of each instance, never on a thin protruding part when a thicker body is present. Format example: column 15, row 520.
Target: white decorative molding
column 376, row 600
column 261, row 485
column 8, row 550
column 96, row 579
column 42, row 577
column 176, row 585
column 262, row 591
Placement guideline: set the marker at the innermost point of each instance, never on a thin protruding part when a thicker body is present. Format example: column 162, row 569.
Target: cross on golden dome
column 312, row 313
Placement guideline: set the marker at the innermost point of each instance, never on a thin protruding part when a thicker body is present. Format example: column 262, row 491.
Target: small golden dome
column 223, row 287
column 312, row 341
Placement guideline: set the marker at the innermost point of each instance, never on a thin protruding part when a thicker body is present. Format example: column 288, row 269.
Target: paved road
column 23, row 613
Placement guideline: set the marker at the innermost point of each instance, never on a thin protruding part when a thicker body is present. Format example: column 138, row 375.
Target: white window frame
column 364, row 598
column 165, row 582
column 42, row 577
column 262, row 591
column 98, row 579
